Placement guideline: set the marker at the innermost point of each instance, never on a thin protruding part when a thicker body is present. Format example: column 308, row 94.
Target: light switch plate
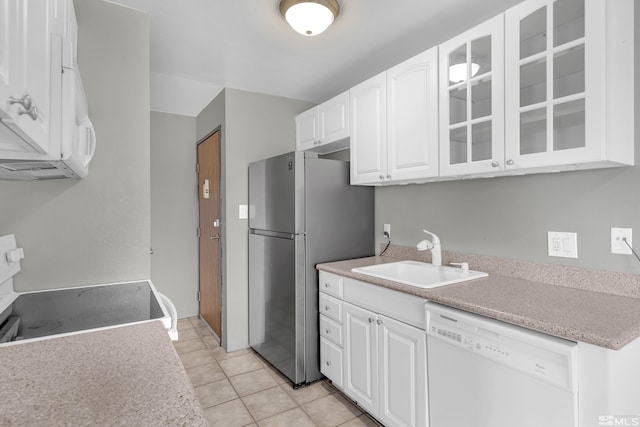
column 618, row 246
column 562, row 244
column 243, row 212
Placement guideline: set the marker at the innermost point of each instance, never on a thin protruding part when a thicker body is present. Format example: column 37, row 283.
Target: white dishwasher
column 486, row 373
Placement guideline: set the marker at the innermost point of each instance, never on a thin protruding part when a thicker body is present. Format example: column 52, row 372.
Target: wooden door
column 209, row 230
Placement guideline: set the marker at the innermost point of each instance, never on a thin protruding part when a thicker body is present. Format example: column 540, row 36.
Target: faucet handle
column 424, row 245
column 464, row 266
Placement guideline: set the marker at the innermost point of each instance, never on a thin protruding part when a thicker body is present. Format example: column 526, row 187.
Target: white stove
column 29, row 316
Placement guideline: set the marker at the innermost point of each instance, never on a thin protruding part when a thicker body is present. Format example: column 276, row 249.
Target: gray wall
column 97, row 229
column 254, row 126
column 510, row 217
column 174, row 218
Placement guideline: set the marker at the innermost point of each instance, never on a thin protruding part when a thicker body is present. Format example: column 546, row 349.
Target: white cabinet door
column 412, row 115
column 26, row 74
column 334, row 118
column 360, row 356
column 307, row 132
column 557, row 71
column 368, row 122
column 472, row 100
column 403, row 374
column 34, row 43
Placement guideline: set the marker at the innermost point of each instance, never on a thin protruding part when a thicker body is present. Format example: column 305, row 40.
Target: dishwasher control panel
column 542, row 356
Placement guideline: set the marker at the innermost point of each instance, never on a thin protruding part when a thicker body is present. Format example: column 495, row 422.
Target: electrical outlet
column 387, row 231
column 562, row 244
column 618, row 246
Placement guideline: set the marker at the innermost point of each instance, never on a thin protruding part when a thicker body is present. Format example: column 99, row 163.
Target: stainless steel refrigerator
column 302, row 211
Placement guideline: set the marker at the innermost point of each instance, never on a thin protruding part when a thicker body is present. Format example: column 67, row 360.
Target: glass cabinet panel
column 481, row 98
column 533, row 82
column 481, row 141
column 458, row 65
column 568, row 72
column 480, row 56
column 551, row 79
column 458, row 145
column 533, row 131
column 568, row 125
column 533, row 33
column 568, row 21
column 458, row 105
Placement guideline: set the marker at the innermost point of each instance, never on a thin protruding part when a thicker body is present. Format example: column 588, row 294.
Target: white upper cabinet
column 333, row 116
column 27, row 80
column 472, row 100
column 321, row 128
column 412, row 118
column 307, row 129
column 394, row 124
column 369, row 131
column 569, row 83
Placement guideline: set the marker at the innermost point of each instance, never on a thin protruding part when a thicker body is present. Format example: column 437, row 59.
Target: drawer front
column 330, row 284
column 331, row 361
column 395, row 304
column 331, row 307
column 331, row 330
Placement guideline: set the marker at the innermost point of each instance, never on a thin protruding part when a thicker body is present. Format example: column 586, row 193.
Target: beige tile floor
column 242, row 389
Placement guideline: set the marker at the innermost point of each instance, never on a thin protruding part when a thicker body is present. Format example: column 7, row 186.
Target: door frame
column 223, row 232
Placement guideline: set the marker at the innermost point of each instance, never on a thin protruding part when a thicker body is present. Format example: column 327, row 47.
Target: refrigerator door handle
column 267, row 233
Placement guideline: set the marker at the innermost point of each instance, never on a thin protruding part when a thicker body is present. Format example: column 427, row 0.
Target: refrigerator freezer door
column 272, row 194
column 276, row 316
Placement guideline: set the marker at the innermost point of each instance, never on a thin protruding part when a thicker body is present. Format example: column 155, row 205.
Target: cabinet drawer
column 330, row 284
column 331, row 307
column 331, row 361
column 331, row 330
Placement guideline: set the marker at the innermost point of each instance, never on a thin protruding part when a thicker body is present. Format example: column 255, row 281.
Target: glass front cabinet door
column 472, row 100
column 563, row 64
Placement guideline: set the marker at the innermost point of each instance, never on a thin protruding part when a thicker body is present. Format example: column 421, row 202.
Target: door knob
column 216, row 237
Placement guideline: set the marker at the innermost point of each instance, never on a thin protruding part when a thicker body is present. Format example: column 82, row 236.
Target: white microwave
column 73, row 140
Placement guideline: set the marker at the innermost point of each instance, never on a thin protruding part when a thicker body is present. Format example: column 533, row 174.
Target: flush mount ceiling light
column 309, row 17
column 458, row 73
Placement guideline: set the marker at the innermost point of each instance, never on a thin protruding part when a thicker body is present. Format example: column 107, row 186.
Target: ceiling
column 199, row 47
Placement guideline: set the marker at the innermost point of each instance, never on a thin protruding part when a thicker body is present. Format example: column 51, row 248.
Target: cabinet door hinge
column 198, row 232
column 198, row 296
column 197, row 167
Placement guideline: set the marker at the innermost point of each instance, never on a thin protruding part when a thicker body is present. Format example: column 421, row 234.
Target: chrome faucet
column 433, row 246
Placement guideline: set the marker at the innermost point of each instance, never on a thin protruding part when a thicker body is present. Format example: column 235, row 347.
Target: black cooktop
column 75, row 309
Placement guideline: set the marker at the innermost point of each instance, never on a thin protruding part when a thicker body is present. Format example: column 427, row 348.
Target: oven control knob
column 15, row 255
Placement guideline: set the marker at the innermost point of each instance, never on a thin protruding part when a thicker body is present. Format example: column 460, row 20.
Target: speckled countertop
column 599, row 318
column 130, row 375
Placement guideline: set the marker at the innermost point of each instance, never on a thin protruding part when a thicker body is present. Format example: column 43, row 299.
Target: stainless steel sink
column 419, row 274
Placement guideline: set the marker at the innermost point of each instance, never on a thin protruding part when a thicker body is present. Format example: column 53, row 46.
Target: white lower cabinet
column 380, row 346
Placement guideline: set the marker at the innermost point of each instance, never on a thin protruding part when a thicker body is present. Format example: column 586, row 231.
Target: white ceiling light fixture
column 309, row 17
column 459, row 73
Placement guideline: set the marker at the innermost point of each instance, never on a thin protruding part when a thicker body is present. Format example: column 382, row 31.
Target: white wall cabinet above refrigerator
column 45, row 131
column 324, row 128
column 394, row 124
